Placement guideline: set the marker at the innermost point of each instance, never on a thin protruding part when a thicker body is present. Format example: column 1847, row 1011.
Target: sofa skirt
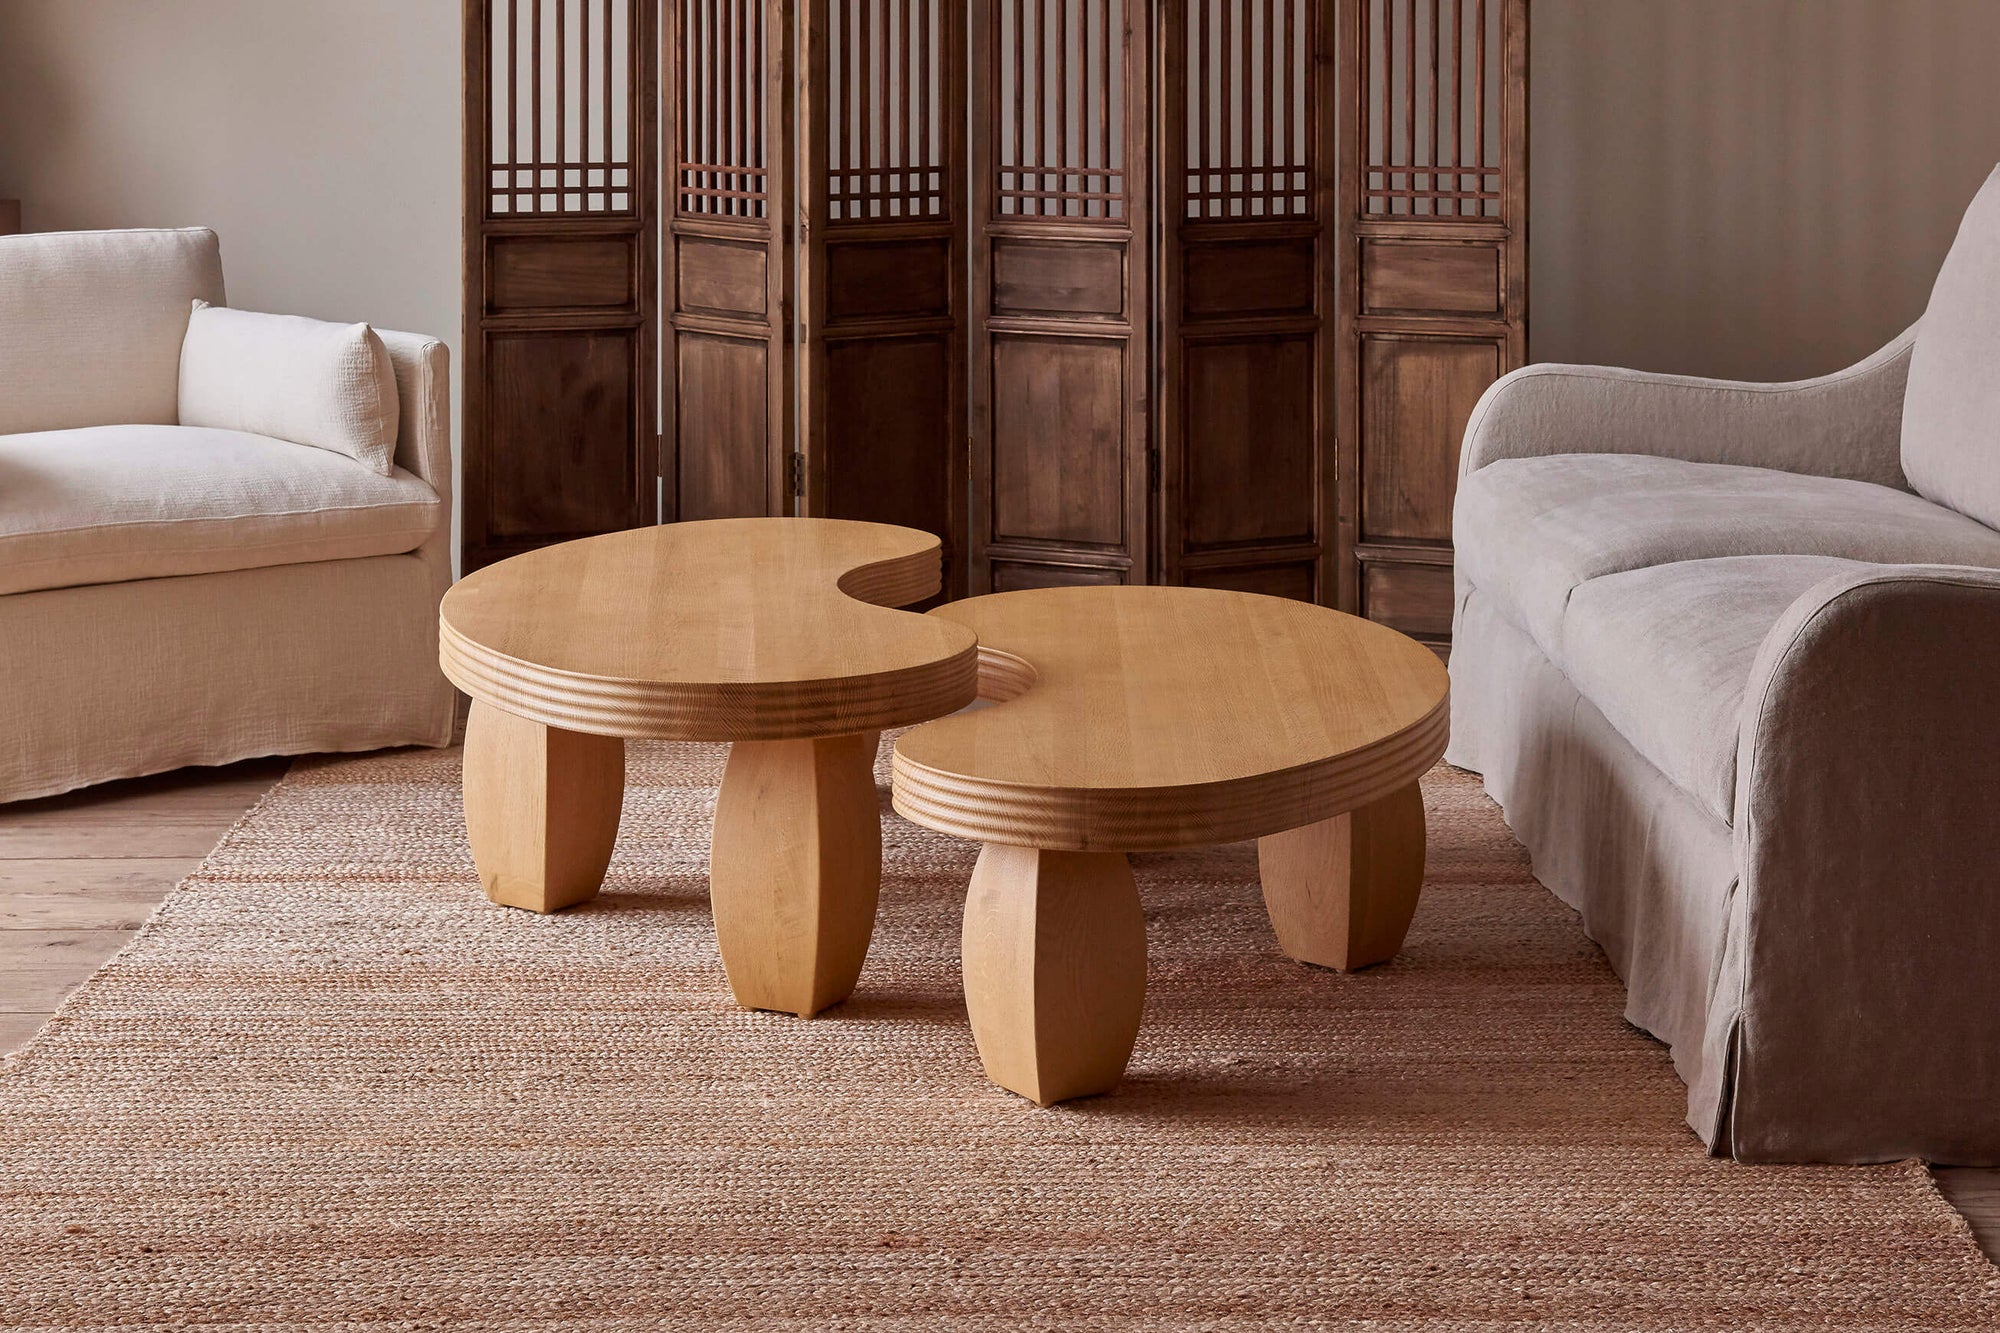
column 1651, row 872
column 117, row 680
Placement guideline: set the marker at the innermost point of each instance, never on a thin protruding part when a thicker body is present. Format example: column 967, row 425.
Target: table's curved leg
column 794, row 869
column 1341, row 892
column 1055, row 969
column 541, row 808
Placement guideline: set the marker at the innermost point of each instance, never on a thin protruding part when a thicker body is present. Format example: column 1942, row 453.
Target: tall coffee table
column 770, row 633
column 1136, row 719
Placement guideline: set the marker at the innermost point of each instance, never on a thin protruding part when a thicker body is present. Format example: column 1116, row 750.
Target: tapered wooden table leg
column 794, row 870
column 1341, row 892
column 1055, row 969
column 541, row 808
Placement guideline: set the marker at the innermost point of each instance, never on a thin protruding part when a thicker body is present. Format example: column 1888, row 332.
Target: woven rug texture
column 331, row 1087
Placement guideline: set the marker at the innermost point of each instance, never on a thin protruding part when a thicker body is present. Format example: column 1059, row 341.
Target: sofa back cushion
column 91, row 324
column 1951, row 411
column 327, row 385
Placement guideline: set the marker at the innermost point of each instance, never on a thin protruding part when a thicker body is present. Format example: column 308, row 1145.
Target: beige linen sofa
column 1729, row 657
column 172, row 595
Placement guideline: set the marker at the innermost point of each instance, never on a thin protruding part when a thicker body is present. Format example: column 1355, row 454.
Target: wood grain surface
column 1150, row 718
column 734, row 629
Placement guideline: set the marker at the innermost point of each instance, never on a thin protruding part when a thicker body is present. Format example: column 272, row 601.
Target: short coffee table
column 1136, row 719
column 772, row 634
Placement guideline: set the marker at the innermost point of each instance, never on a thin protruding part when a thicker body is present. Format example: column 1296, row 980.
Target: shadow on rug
column 330, row 1085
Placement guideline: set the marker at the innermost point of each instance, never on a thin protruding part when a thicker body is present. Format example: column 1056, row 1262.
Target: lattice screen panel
column 1249, row 105
column 1061, row 109
column 559, row 94
column 886, row 129
column 1431, row 127
column 720, row 161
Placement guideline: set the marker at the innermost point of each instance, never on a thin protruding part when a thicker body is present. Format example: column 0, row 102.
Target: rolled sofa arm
column 1864, row 953
column 423, row 430
column 1848, row 424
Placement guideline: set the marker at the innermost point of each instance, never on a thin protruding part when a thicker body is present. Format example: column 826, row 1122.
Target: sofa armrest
column 1868, row 841
column 1848, row 424
column 423, row 430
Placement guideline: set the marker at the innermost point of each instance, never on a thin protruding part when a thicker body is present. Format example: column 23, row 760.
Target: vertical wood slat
column 1479, row 99
column 610, row 146
column 513, row 110
column 1199, row 95
column 535, row 95
column 561, row 91
column 1437, row 40
column 1268, row 96
column 1104, row 39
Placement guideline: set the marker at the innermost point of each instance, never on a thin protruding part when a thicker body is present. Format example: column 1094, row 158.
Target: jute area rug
column 331, row 1087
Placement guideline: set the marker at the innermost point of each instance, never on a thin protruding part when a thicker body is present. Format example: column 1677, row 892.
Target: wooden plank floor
column 79, row 874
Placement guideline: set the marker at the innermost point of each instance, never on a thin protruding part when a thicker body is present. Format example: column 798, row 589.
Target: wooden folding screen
column 1433, row 294
column 1189, row 291
column 558, row 374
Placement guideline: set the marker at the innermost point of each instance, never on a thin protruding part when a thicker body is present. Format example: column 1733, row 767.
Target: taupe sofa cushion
column 1529, row 530
column 110, row 503
column 1665, row 653
column 1951, row 411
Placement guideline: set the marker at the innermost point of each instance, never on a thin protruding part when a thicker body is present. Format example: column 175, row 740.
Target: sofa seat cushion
column 1665, row 653
column 104, row 504
column 1530, row 530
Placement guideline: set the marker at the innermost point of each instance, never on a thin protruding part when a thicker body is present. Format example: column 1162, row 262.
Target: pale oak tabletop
column 724, row 630
column 1151, row 717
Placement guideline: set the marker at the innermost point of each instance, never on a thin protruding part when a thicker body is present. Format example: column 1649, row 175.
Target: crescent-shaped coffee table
column 1141, row 719
column 770, row 633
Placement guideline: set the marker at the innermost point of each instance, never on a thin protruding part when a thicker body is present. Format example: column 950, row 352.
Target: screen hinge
column 1152, row 471
column 797, row 475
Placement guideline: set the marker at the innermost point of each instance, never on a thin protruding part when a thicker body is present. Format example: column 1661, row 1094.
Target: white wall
column 1752, row 188
column 320, row 138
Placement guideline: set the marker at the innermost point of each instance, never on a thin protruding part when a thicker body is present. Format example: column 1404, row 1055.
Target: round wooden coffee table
column 771, row 633
column 1138, row 719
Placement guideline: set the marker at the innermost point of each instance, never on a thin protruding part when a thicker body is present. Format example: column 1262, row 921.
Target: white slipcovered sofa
column 174, row 595
column 1728, row 655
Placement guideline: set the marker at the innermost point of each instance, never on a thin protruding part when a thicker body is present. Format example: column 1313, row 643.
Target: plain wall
column 319, row 138
column 1760, row 189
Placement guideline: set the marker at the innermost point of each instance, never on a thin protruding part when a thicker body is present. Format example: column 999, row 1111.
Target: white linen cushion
column 91, row 324
column 106, row 504
column 327, row 385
